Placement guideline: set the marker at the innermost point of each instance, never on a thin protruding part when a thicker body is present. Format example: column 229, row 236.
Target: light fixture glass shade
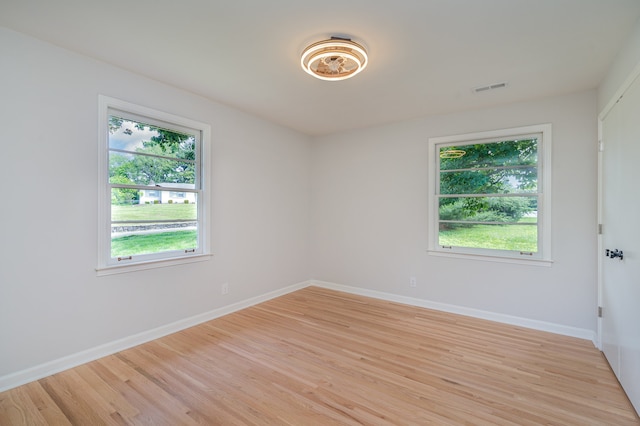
column 334, row 59
column 452, row 153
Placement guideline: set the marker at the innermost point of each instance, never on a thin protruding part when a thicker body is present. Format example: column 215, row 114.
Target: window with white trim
column 153, row 188
column 489, row 194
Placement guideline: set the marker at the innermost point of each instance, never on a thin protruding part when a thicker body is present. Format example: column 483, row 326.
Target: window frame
column 106, row 265
column 543, row 256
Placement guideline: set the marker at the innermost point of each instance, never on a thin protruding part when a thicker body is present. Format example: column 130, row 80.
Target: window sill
column 153, row 264
column 499, row 259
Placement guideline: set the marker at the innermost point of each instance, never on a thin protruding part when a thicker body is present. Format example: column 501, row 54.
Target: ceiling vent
column 489, row 87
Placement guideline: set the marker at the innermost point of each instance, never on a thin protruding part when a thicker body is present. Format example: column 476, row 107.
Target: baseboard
column 476, row 313
column 46, row 369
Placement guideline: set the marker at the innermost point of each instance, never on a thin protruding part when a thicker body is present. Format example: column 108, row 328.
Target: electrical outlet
column 225, row 288
column 412, row 281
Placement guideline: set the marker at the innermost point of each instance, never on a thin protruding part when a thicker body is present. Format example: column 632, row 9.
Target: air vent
column 488, row 87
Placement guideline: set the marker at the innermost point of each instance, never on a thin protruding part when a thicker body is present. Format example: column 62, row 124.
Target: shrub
column 512, row 209
column 186, row 201
column 497, row 209
column 170, row 201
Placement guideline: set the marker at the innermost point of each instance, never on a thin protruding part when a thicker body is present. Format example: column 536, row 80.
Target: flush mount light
column 334, row 59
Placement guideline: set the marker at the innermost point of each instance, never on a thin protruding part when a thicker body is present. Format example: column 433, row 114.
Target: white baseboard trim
column 37, row 372
column 55, row 366
column 470, row 312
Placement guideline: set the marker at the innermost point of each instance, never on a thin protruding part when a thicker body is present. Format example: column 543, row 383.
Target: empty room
column 301, row 213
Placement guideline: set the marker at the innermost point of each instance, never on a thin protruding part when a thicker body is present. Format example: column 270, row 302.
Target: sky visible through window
column 129, row 137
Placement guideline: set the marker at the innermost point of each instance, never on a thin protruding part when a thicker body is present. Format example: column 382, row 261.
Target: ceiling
column 425, row 56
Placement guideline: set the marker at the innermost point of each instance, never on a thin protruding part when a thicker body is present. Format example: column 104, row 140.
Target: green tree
column 485, row 169
column 123, row 196
column 169, row 157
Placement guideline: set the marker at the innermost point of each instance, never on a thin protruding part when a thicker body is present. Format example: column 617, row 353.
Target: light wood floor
column 320, row 357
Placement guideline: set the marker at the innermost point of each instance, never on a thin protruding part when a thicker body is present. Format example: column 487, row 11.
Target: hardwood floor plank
column 321, row 357
column 72, row 400
column 47, row 408
column 17, row 407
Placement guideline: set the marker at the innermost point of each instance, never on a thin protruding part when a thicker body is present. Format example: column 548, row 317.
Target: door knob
column 614, row 253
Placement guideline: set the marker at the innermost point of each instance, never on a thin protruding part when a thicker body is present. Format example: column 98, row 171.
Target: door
column 620, row 271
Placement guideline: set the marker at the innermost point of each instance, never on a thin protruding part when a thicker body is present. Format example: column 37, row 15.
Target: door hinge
column 599, row 229
column 599, row 311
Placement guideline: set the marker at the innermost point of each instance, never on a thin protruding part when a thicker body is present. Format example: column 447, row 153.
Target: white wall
column 52, row 304
column 369, row 215
column 627, row 59
column 349, row 209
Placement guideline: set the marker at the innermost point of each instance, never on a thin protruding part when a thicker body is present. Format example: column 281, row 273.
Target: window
column 153, row 188
column 489, row 194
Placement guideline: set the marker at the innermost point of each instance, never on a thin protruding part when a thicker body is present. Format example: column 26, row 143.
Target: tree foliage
column 485, row 169
column 123, row 196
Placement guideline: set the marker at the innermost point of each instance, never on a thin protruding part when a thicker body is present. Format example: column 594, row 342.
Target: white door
column 620, row 200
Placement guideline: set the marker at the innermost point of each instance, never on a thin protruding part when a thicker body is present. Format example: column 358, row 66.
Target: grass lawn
column 154, row 212
column 500, row 237
column 153, row 243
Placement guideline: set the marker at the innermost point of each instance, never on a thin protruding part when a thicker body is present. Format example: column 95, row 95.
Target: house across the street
column 158, row 196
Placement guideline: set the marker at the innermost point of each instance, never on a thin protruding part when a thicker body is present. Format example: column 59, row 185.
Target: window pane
column 501, row 181
column 493, row 154
column 132, row 169
column 130, row 243
column 136, row 136
column 153, row 222
column 488, row 209
column 522, row 238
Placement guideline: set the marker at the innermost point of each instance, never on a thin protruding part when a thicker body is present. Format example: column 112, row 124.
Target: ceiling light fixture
column 334, row 59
